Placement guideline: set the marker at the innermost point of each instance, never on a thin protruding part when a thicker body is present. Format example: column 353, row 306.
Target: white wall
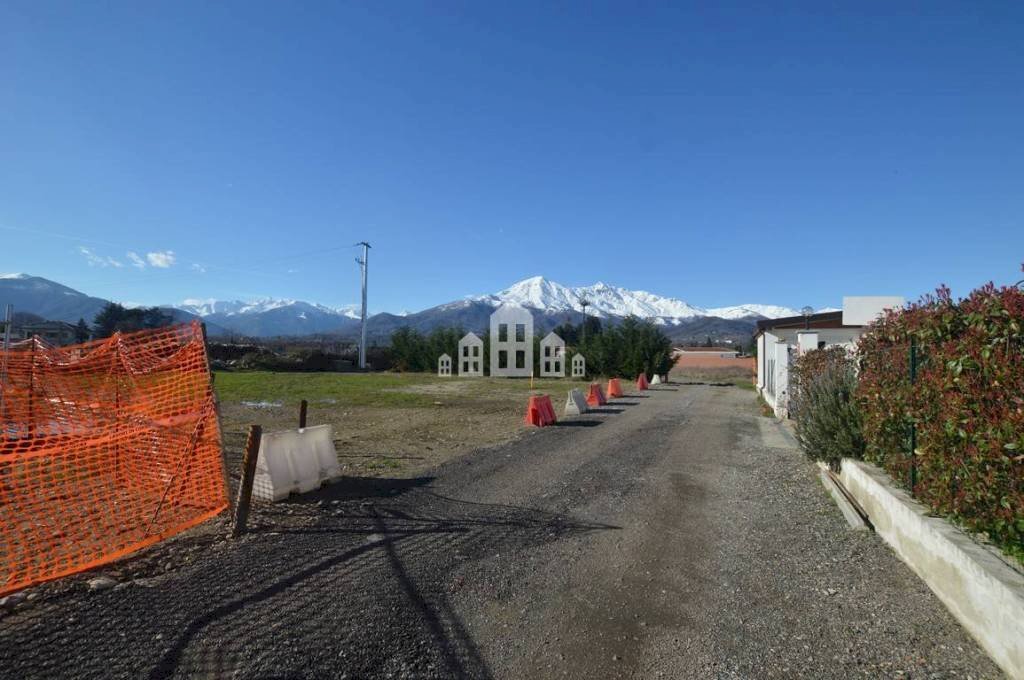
column 860, row 310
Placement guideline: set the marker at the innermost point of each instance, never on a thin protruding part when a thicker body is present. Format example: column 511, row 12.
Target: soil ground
column 393, row 424
column 693, row 367
column 673, row 534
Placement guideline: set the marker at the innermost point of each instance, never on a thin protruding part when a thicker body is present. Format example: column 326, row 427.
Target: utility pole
column 362, row 330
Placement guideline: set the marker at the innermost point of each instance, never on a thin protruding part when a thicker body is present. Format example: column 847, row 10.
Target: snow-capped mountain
column 552, row 303
column 606, row 301
column 259, row 306
column 603, row 300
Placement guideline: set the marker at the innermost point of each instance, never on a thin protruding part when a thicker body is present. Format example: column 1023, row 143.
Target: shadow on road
column 604, row 409
column 354, row 579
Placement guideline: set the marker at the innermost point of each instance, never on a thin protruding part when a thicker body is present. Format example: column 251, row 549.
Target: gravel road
column 672, row 534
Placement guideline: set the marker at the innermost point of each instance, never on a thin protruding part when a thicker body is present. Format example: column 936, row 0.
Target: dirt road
column 674, row 534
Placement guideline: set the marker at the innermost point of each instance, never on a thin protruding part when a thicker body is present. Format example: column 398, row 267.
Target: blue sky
column 721, row 154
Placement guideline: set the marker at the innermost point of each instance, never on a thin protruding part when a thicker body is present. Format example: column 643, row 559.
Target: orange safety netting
column 105, row 447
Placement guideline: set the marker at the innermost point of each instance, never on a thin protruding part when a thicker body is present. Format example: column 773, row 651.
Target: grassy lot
column 385, row 424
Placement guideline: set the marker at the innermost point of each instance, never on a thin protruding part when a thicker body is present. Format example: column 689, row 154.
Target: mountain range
column 551, row 302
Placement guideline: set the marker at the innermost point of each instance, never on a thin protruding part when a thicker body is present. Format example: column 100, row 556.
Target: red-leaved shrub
column 966, row 405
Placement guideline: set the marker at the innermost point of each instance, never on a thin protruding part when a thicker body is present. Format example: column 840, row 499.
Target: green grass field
column 387, row 390
column 356, row 389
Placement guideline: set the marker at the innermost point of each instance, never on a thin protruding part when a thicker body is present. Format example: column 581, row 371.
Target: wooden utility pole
column 252, row 451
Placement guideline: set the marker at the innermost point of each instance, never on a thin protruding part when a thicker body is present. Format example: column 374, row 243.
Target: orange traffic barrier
column 595, row 397
column 539, row 411
column 105, row 447
column 641, row 382
column 614, row 388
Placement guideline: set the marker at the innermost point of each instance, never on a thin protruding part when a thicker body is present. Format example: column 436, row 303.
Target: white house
column 779, row 341
column 444, row 366
column 471, row 356
column 552, row 356
column 511, row 342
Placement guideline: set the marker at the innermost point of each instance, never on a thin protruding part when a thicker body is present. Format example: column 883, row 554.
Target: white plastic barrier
column 656, row 380
column 295, row 461
column 576, row 404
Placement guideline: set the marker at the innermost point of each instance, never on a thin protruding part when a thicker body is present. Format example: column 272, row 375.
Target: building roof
column 820, row 320
column 552, row 337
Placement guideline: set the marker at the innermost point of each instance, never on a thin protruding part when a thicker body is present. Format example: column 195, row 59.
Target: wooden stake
column 303, row 405
column 252, row 451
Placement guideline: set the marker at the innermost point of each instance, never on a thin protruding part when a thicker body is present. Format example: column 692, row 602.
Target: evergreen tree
column 81, row 331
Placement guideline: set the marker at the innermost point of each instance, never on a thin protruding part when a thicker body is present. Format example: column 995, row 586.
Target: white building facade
column 471, row 356
column 552, row 356
column 512, row 342
column 579, row 366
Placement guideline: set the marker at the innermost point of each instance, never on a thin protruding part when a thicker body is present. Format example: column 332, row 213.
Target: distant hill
column 56, row 302
column 551, row 302
column 47, row 299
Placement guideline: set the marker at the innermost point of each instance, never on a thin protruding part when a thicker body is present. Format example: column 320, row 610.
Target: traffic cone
column 595, row 397
column 641, row 382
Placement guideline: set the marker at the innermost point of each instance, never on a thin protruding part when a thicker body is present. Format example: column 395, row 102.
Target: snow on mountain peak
column 602, row 299
column 14, row 276
column 748, row 310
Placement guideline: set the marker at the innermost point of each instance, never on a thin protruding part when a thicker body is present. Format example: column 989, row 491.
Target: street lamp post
column 807, row 311
column 583, row 303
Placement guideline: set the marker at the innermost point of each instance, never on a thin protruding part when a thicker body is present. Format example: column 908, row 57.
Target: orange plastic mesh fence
column 105, row 447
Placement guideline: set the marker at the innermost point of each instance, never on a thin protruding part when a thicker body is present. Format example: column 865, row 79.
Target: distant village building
column 471, row 356
column 779, row 341
column 552, row 356
column 512, row 342
column 579, row 366
column 444, row 366
column 51, row 332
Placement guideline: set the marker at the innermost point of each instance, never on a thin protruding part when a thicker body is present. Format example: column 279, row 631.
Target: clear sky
column 723, row 153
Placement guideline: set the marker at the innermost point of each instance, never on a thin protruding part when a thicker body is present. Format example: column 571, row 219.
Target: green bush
column 828, row 422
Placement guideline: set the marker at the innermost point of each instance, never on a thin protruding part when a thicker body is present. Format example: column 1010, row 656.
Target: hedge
column 965, row 406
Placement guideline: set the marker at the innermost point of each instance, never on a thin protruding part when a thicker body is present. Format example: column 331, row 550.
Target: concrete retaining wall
column 984, row 593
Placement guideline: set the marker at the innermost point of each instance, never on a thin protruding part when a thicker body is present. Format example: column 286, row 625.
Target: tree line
column 625, row 349
column 114, row 318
